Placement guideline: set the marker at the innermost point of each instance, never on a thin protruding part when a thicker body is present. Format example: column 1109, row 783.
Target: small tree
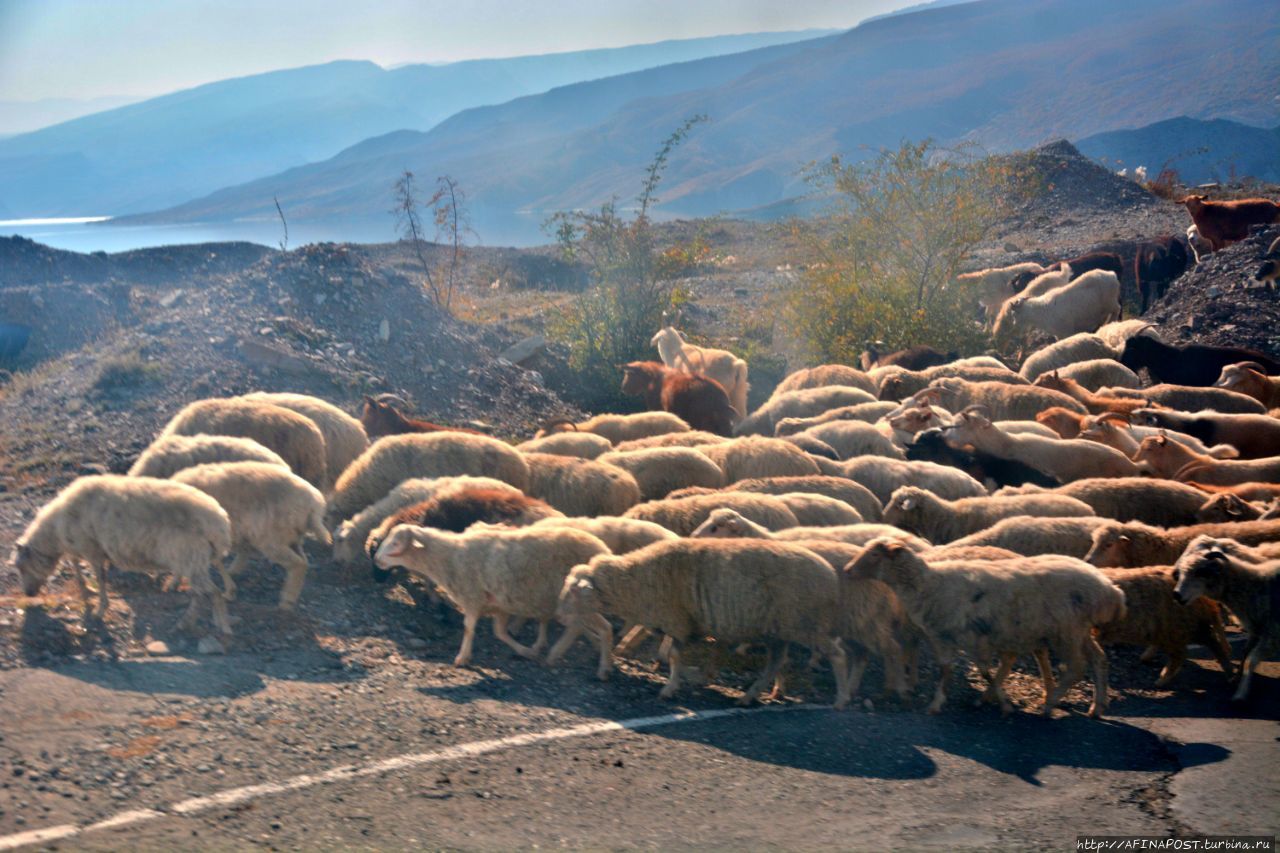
column 902, row 225
column 452, row 225
column 614, row 320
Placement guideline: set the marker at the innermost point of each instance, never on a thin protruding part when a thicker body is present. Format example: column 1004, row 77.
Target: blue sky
column 91, row 48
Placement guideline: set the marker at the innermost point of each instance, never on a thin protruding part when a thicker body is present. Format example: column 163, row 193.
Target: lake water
column 96, row 234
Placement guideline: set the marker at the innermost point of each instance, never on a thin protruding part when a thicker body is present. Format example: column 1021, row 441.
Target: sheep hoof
column 745, row 701
column 934, row 708
column 1096, row 712
column 666, row 693
column 1006, row 708
column 462, row 661
column 603, row 675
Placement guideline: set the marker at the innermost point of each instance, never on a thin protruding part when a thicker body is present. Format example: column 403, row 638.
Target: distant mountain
column 24, row 116
column 916, row 7
column 1007, row 74
column 169, row 149
column 1200, row 151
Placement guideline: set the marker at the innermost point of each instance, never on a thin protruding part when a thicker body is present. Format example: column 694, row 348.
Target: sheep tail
column 316, row 526
column 1224, row 451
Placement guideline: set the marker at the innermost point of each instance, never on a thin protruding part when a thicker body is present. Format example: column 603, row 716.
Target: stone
column 170, row 299
column 157, row 647
column 384, row 331
column 273, row 358
column 524, row 350
column 210, row 646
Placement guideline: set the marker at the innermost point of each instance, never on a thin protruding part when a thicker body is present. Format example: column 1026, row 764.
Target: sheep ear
column 907, row 503
column 1125, row 539
column 583, row 585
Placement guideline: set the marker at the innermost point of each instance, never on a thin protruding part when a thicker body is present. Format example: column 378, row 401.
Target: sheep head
column 722, row 523
column 1113, row 545
column 1201, row 570
column 906, row 508
column 579, row 603
column 915, row 420
column 34, row 567
column 1064, row 422
column 1226, row 507
column 889, row 560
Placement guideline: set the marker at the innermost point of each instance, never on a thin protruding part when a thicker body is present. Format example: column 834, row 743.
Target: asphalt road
column 92, row 728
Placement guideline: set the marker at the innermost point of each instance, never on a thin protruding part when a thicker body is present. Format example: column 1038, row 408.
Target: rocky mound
column 106, row 366
column 1218, row 302
column 1071, row 182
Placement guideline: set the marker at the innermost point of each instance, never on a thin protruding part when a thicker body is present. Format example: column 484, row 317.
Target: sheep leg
column 1149, row 654
column 238, row 565
column 895, row 679
column 946, row 663
column 100, row 575
column 540, row 644
column 294, row 563
column 219, row 606
column 673, row 664
column 604, row 634
column 77, row 573
column 1075, row 670
column 469, row 620
column 188, row 620
column 858, row 660
column 839, row 667
column 571, row 633
column 1101, row 670
column 995, row 690
column 1046, row 670
column 1216, row 640
column 1177, row 658
column 500, row 631
column 632, row 636
column 775, row 661
column 1250, row 662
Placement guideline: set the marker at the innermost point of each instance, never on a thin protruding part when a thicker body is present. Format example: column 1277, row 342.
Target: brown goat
column 1064, row 422
column 1226, row 222
column 381, row 419
column 700, row 401
column 1154, row 618
column 1095, row 403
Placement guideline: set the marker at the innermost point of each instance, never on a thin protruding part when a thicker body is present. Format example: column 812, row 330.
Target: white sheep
column 683, row 515
column 493, row 572
column 1031, row 535
column 294, row 437
column 1003, row 609
column 814, row 510
column 1001, row 400
column 854, row 494
column 395, row 458
column 902, row 385
column 823, row 375
column 584, row 445
column 1215, row 569
column 800, row 404
column 620, row 428
column 168, row 455
column 733, row 591
column 344, row 436
column 661, row 470
column 855, row 438
column 1087, row 302
column 1085, row 346
column 1117, row 334
column 1098, row 373
column 755, row 457
column 581, row 486
column 993, row 284
column 271, row 510
column 717, row 364
column 1122, row 544
column 621, row 535
column 137, row 523
column 925, row 514
column 688, row 438
column 1144, row 499
column 1200, row 247
column 350, row 537
column 726, row 523
column 1064, row 459
column 865, row 412
column 882, row 476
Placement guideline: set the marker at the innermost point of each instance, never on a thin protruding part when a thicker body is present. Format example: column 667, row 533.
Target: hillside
column 176, row 147
column 1200, row 151
column 1002, row 73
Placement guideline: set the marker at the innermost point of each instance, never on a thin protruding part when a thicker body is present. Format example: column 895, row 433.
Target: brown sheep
column 381, row 419
column 699, row 401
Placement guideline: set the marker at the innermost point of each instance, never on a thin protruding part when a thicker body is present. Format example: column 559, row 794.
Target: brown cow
column 701, row 401
column 1226, row 222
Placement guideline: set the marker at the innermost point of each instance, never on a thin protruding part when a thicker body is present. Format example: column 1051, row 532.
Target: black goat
column 930, row 446
column 1193, row 364
column 1157, row 263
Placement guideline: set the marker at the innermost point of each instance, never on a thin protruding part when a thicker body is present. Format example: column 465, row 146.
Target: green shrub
column 125, row 372
column 901, row 227
column 632, row 283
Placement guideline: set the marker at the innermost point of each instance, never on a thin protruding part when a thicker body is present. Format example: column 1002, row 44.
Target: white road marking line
column 234, row 796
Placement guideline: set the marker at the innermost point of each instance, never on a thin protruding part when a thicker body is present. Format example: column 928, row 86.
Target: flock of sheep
column 921, row 499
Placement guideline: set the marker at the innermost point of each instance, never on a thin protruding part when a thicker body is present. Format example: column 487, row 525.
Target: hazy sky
column 90, row 48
